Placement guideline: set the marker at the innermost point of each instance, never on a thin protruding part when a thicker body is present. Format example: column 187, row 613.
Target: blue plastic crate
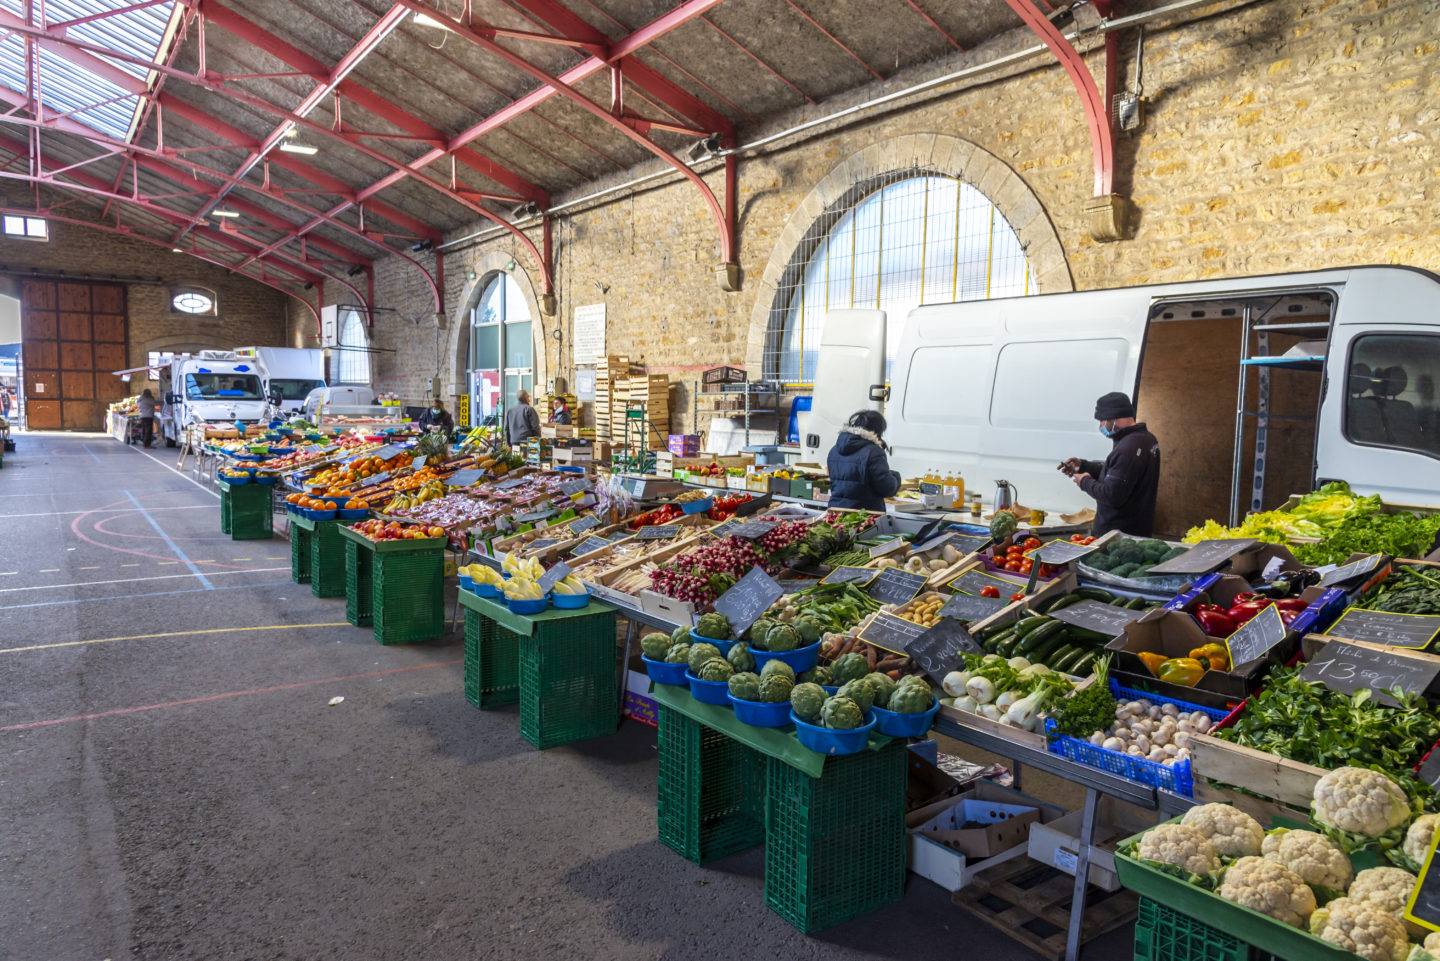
column 1177, row 778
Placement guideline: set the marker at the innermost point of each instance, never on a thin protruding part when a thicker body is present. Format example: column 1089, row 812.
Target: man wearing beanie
column 1124, row 487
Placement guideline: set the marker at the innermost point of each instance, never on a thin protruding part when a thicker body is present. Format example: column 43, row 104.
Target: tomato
column 1031, row 543
column 989, row 592
column 1017, row 596
column 1026, row 567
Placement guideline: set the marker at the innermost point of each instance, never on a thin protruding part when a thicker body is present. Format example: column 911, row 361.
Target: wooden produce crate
column 923, row 599
column 1278, row 778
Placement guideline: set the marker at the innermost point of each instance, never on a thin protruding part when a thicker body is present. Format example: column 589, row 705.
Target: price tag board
column 1094, row 616
column 969, row 608
column 1430, row 771
column 1060, row 551
column 751, row 596
column 889, row 547
column 464, row 478
column 927, row 488
column 593, row 544
column 1347, row 668
column 637, row 489
column 1206, row 556
column 572, row 487
column 418, row 462
column 977, row 579
column 582, row 524
column 384, row 453
column 754, row 505
column 1413, row 631
column 534, row 516
column 541, row 544
column 850, row 575
column 615, row 536
column 938, row 650
column 725, row 529
column 1351, row 571
column 753, row 530
column 892, row 633
column 1423, row 908
column 964, row 543
column 553, row 576
column 1256, row 636
column 657, row 532
column 512, row 483
column 894, row 586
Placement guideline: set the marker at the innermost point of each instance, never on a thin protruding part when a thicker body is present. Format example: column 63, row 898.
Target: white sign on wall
column 589, row 334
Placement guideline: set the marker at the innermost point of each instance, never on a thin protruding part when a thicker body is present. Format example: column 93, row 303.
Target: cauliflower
column 1270, row 888
column 1432, row 942
column 1234, row 833
column 1362, row 928
column 1317, row 859
column 1418, row 838
column 1361, row 801
column 1180, row 845
column 1386, row 888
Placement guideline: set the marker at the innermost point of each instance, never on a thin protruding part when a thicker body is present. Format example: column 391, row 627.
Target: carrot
column 870, row 656
column 890, row 663
column 893, row 675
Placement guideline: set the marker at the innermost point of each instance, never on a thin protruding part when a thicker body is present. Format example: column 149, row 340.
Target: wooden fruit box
column 1031, row 739
column 1277, row 778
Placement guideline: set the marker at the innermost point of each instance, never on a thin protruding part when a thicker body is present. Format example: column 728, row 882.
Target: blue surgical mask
column 435, row 410
column 1107, row 431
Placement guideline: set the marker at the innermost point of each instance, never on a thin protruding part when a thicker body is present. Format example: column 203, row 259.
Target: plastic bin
column 800, row 659
column 1162, row 934
column 409, row 596
column 492, row 662
column 662, row 672
column 825, row 740
column 570, row 602
column 760, row 713
column 709, row 692
column 723, row 645
column 710, row 798
column 528, row 606
column 895, row 724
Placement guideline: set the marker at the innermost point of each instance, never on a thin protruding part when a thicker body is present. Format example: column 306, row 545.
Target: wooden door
column 73, row 335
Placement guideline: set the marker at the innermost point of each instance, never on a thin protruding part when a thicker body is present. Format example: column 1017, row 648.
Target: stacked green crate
column 568, row 682
column 327, row 560
column 225, row 508
column 409, row 595
column 492, row 662
column 711, row 795
column 250, row 514
column 359, row 591
column 1165, row 935
column 835, row 845
column 299, row 554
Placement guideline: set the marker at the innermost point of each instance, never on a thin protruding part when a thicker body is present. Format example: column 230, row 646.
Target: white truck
column 1256, row 387
column 288, row 374
column 211, row 386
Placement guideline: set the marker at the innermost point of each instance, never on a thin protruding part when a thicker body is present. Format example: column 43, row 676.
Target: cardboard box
column 1176, row 634
column 1058, row 842
column 945, row 864
column 995, row 826
column 926, row 784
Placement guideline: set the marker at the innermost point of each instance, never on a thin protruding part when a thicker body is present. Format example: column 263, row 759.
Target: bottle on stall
column 975, row 505
column 955, row 485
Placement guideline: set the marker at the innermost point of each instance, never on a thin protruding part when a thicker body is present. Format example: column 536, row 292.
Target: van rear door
column 849, row 376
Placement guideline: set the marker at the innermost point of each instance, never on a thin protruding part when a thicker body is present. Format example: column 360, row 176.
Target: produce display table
column 833, row 827
column 397, row 586
column 324, row 555
column 245, row 512
column 560, row 666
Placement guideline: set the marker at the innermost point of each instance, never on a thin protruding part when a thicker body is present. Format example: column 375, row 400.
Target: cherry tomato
column 989, row 592
column 1031, row 543
column 1018, row 596
column 1026, row 567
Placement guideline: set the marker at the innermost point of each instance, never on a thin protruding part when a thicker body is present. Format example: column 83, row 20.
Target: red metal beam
column 754, row 56
column 931, row 20
column 1097, row 114
column 833, row 39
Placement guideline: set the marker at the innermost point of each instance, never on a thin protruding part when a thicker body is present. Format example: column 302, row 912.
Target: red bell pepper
column 1292, row 604
column 1244, row 610
column 1214, row 621
column 1288, row 616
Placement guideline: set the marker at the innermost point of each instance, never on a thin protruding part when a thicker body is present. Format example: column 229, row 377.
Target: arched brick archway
column 924, row 154
column 457, row 338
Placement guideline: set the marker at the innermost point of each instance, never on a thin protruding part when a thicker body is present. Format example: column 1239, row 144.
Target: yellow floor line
column 143, row 637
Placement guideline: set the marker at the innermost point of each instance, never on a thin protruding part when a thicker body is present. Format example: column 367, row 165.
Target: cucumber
column 1061, row 655
column 1046, row 647
column 992, row 644
column 1094, row 594
column 1034, row 639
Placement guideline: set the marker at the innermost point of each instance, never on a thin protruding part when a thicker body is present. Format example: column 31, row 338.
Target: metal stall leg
column 1082, row 870
column 630, row 632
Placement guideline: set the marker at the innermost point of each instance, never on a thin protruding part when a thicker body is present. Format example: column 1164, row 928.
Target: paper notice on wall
column 589, row 335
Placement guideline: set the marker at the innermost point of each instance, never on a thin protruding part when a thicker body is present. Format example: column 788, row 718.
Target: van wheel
column 170, row 443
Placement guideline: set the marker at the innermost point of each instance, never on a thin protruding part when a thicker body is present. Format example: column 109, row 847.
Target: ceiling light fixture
column 705, row 147
column 422, row 246
column 176, row 250
column 527, row 209
column 224, row 213
column 306, row 149
column 425, row 20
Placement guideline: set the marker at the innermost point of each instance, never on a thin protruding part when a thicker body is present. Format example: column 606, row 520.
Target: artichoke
column 714, row 625
column 809, row 628
column 740, row 658
column 848, row 667
column 715, row 669
column 758, row 630
column 782, row 637
column 860, row 690
column 699, row 654
column 841, row 713
column 884, row 687
column 816, row 675
column 776, row 688
column 656, row 645
column 773, row 667
column 745, row 686
column 678, row 654
column 806, row 700
column 681, row 635
column 911, row 699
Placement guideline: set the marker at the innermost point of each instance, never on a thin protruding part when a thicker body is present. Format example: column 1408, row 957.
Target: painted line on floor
column 218, row 697
column 86, row 448
column 136, row 580
column 126, row 597
column 214, row 494
column 172, row 545
column 108, row 510
column 146, row 637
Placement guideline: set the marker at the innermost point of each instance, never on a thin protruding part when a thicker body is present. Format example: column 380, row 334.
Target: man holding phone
column 1125, row 485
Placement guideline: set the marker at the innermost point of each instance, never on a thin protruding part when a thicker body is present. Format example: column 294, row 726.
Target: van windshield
column 230, row 386
column 293, row 389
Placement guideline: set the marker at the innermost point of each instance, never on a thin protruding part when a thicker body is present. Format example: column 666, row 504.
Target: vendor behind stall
column 1125, row 485
column 437, row 416
column 860, row 474
column 559, row 413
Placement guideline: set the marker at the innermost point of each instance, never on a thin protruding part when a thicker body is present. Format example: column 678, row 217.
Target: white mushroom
column 1182, row 739
column 1171, row 750
column 1154, row 712
column 1186, row 727
column 1202, row 724
column 1113, row 744
column 1098, row 738
column 1143, row 743
column 1157, row 754
column 1169, row 709
column 1134, row 751
column 1136, row 707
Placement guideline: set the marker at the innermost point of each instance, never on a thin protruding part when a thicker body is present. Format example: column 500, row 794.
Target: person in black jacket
column 1124, row 487
column 437, row 416
column 860, row 474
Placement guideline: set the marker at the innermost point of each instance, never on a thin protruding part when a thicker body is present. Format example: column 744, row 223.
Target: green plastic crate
column 225, row 509
column 1165, row 935
column 251, row 517
column 835, row 845
column 492, row 662
column 409, row 596
column 327, row 560
column 359, row 591
column 299, row 555
column 568, row 681
column 711, row 790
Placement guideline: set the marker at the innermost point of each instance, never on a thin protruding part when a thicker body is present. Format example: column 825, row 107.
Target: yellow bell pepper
column 1152, row 661
column 1215, row 657
column 1185, row 671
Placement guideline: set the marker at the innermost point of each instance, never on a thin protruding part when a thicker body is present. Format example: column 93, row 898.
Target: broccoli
column 1173, row 553
column 1141, row 570
column 1101, row 562
column 1124, row 570
column 1154, row 549
column 1127, row 552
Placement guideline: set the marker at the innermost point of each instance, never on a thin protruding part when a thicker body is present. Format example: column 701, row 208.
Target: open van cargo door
column 849, row 376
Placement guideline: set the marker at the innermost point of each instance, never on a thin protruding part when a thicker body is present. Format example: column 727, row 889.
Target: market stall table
column 398, row 586
column 833, row 826
column 559, row 665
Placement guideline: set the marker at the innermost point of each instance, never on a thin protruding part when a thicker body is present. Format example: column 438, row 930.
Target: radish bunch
column 688, row 576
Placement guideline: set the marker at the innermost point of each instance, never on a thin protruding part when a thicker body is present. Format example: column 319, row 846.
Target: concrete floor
column 173, row 784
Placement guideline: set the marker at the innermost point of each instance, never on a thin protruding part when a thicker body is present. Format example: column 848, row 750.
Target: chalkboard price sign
column 977, row 579
column 593, row 544
column 938, row 650
column 725, row 529
column 751, row 596
column 1414, row 631
column 969, row 608
column 582, row 524
column 553, row 576
column 753, row 530
column 1206, row 556
column 1346, row 668
column 894, row 586
column 541, row 543
column 1094, row 616
column 1430, row 771
column 572, row 487
column 927, row 488
column 657, row 532
column 850, row 575
column 1349, row 571
column 754, row 505
column 384, row 453
column 1256, row 636
column 1424, row 905
column 964, row 543
column 511, row 483
column 889, row 547
column 894, row 634
column 532, row 516
column 1060, row 551
column 464, row 478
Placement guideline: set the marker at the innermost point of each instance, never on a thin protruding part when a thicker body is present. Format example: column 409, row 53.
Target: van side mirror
column 169, row 397
column 879, row 392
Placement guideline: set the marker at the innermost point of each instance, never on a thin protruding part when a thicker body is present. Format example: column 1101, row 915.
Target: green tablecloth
column 524, row 624
column 777, row 742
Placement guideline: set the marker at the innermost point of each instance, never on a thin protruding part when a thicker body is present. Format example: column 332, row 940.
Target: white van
column 337, row 395
column 212, row 386
column 288, row 374
column 1256, row 387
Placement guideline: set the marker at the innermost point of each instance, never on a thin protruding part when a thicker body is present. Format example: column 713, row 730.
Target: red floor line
column 218, row 697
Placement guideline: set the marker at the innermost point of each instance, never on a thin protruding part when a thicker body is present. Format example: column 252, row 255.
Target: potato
column 938, row 565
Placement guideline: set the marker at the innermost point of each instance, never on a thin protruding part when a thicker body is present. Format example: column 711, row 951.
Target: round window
column 193, row 302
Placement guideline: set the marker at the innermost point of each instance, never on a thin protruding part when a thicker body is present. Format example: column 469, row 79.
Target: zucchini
column 1025, row 627
column 1034, row 639
column 1138, row 604
column 1066, row 601
column 1046, row 647
column 1085, row 664
column 992, row 644
column 1006, row 648
column 1062, row 664
column 1094, row 594
column 1086, row 637
column 992, row 630
column 1060, row 655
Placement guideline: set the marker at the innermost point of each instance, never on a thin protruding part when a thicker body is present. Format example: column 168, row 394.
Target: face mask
column 435, row 411
column 1107, row 431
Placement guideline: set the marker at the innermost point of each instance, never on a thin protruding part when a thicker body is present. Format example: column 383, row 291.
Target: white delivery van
column 1256, row 387
column 288, row 374
column 212, row 386
column 337, row 395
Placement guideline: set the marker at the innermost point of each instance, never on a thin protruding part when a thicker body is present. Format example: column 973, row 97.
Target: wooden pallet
column 1030, row 902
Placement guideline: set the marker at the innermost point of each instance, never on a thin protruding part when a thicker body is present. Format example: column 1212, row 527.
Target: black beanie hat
column 1114, row 406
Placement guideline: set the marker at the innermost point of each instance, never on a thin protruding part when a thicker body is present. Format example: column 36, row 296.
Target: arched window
column 892, row 243
column 351, row 355
column 193, row 300
column 501, row 350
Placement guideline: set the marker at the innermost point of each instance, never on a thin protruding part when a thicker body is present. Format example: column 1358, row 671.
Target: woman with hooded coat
column 860, row 474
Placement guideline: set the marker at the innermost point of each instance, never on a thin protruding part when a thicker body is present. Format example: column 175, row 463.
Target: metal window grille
column 892, row 242
column 352, row 365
